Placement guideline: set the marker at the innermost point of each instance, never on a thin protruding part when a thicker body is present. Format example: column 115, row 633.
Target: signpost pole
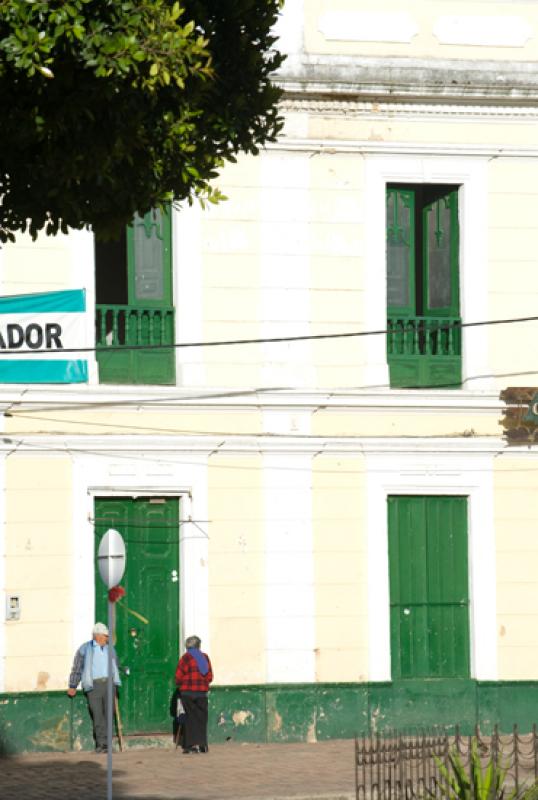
column 110, row 701
column 111, row 558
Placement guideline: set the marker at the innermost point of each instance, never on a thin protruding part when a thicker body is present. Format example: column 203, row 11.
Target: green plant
column 478, row 782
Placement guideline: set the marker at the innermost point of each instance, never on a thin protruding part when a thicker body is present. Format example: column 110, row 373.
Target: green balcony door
column 429, row 586
column 423, row 316
column 135, row 314
column 150, row 527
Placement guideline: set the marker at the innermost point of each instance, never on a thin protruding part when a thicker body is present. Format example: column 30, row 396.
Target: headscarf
column 201, row 659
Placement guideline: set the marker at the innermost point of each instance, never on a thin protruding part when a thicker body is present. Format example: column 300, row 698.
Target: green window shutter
column 149, row 249
column 429, row 595
column 401, row 251
column 440, row 260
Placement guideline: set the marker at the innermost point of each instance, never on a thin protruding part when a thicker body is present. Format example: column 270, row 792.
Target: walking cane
column 119, row 727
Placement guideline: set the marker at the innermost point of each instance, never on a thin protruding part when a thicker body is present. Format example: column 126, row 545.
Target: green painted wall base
column 50, row 721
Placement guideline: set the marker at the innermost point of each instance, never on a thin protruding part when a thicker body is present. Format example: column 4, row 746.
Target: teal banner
column 39, row 337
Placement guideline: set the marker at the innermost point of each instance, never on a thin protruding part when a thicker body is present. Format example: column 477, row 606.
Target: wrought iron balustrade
column 424, row 336
column 119, row 325
column 396, row 765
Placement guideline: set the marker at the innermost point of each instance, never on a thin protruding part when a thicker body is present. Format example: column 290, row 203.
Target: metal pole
column 110, row 701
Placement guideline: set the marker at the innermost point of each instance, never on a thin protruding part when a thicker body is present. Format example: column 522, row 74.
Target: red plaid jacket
column 188, row 676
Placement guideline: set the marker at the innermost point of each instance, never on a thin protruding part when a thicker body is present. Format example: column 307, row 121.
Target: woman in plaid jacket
column 193, row 676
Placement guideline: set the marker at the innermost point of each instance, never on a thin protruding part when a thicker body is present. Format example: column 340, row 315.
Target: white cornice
column 94, row 399
column 413, row 148
column 378, row 109
column 406, row 78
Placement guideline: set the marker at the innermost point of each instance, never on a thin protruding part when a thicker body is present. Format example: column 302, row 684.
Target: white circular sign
column 111, row 558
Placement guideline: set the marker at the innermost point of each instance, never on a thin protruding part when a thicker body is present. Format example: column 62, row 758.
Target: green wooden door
column 150, row 527
column 429, row 586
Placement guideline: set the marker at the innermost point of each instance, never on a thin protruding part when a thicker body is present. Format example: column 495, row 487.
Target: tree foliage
column 116, row 106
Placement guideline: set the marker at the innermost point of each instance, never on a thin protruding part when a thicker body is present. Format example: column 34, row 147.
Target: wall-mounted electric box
column 13, row 606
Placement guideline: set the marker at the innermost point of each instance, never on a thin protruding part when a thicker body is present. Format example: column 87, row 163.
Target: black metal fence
column 407, row 766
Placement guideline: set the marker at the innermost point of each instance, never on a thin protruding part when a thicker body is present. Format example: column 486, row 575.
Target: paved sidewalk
column 322, row 771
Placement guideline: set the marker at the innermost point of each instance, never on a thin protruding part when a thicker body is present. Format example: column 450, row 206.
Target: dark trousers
column 97, row 704
column 195, row 725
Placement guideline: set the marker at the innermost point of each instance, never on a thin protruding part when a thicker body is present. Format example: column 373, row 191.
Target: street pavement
column 231, row 771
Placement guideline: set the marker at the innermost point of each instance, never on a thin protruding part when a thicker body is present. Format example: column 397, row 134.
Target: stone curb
column 311, row 796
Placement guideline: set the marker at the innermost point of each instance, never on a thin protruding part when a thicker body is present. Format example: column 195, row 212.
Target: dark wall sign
column 520, row 420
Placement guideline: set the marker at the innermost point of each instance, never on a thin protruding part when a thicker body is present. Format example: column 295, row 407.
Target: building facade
column 290, row 405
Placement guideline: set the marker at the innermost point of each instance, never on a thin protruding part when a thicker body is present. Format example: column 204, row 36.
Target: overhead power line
column 271, row 339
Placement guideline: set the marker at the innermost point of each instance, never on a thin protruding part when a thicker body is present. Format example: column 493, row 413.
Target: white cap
column 99, row 627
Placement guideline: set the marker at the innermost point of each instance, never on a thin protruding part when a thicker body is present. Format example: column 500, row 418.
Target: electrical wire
column 96, row 521
column 101, row 522
column 137, row 401
column 269, row 435
column 269, row 339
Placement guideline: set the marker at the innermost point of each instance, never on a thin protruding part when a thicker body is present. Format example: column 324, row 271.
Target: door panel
column 150, row 528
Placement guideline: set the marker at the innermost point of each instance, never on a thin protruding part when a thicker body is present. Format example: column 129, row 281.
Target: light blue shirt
column 99, row 661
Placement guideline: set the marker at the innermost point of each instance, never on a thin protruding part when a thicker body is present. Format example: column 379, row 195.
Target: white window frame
column 460, row 472
column 470, row 173
column 120, row 476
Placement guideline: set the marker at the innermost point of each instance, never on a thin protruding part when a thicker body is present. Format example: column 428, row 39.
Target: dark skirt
column 195, row 723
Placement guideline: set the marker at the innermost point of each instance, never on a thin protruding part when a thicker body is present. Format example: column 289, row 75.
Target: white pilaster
column 285, row 269
column 289, row 572
column 82, row 250
column 290, row 28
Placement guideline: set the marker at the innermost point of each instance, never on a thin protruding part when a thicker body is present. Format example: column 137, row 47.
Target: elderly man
column 90, row 669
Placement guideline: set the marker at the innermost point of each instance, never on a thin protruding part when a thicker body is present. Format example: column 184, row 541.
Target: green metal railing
column 117, row 326
column 423, row 336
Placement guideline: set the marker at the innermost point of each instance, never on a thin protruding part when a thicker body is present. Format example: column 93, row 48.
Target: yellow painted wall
column 513, row 274
column 41, row 266
column 230, row 254
column 330, row 423
column 339, row 541
column 337, row 208
column 39, row 567
column 128, row 422
column 236, row 568
column 379, row 126
column 516, row 524
column 411, row 423
column 314, row 216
